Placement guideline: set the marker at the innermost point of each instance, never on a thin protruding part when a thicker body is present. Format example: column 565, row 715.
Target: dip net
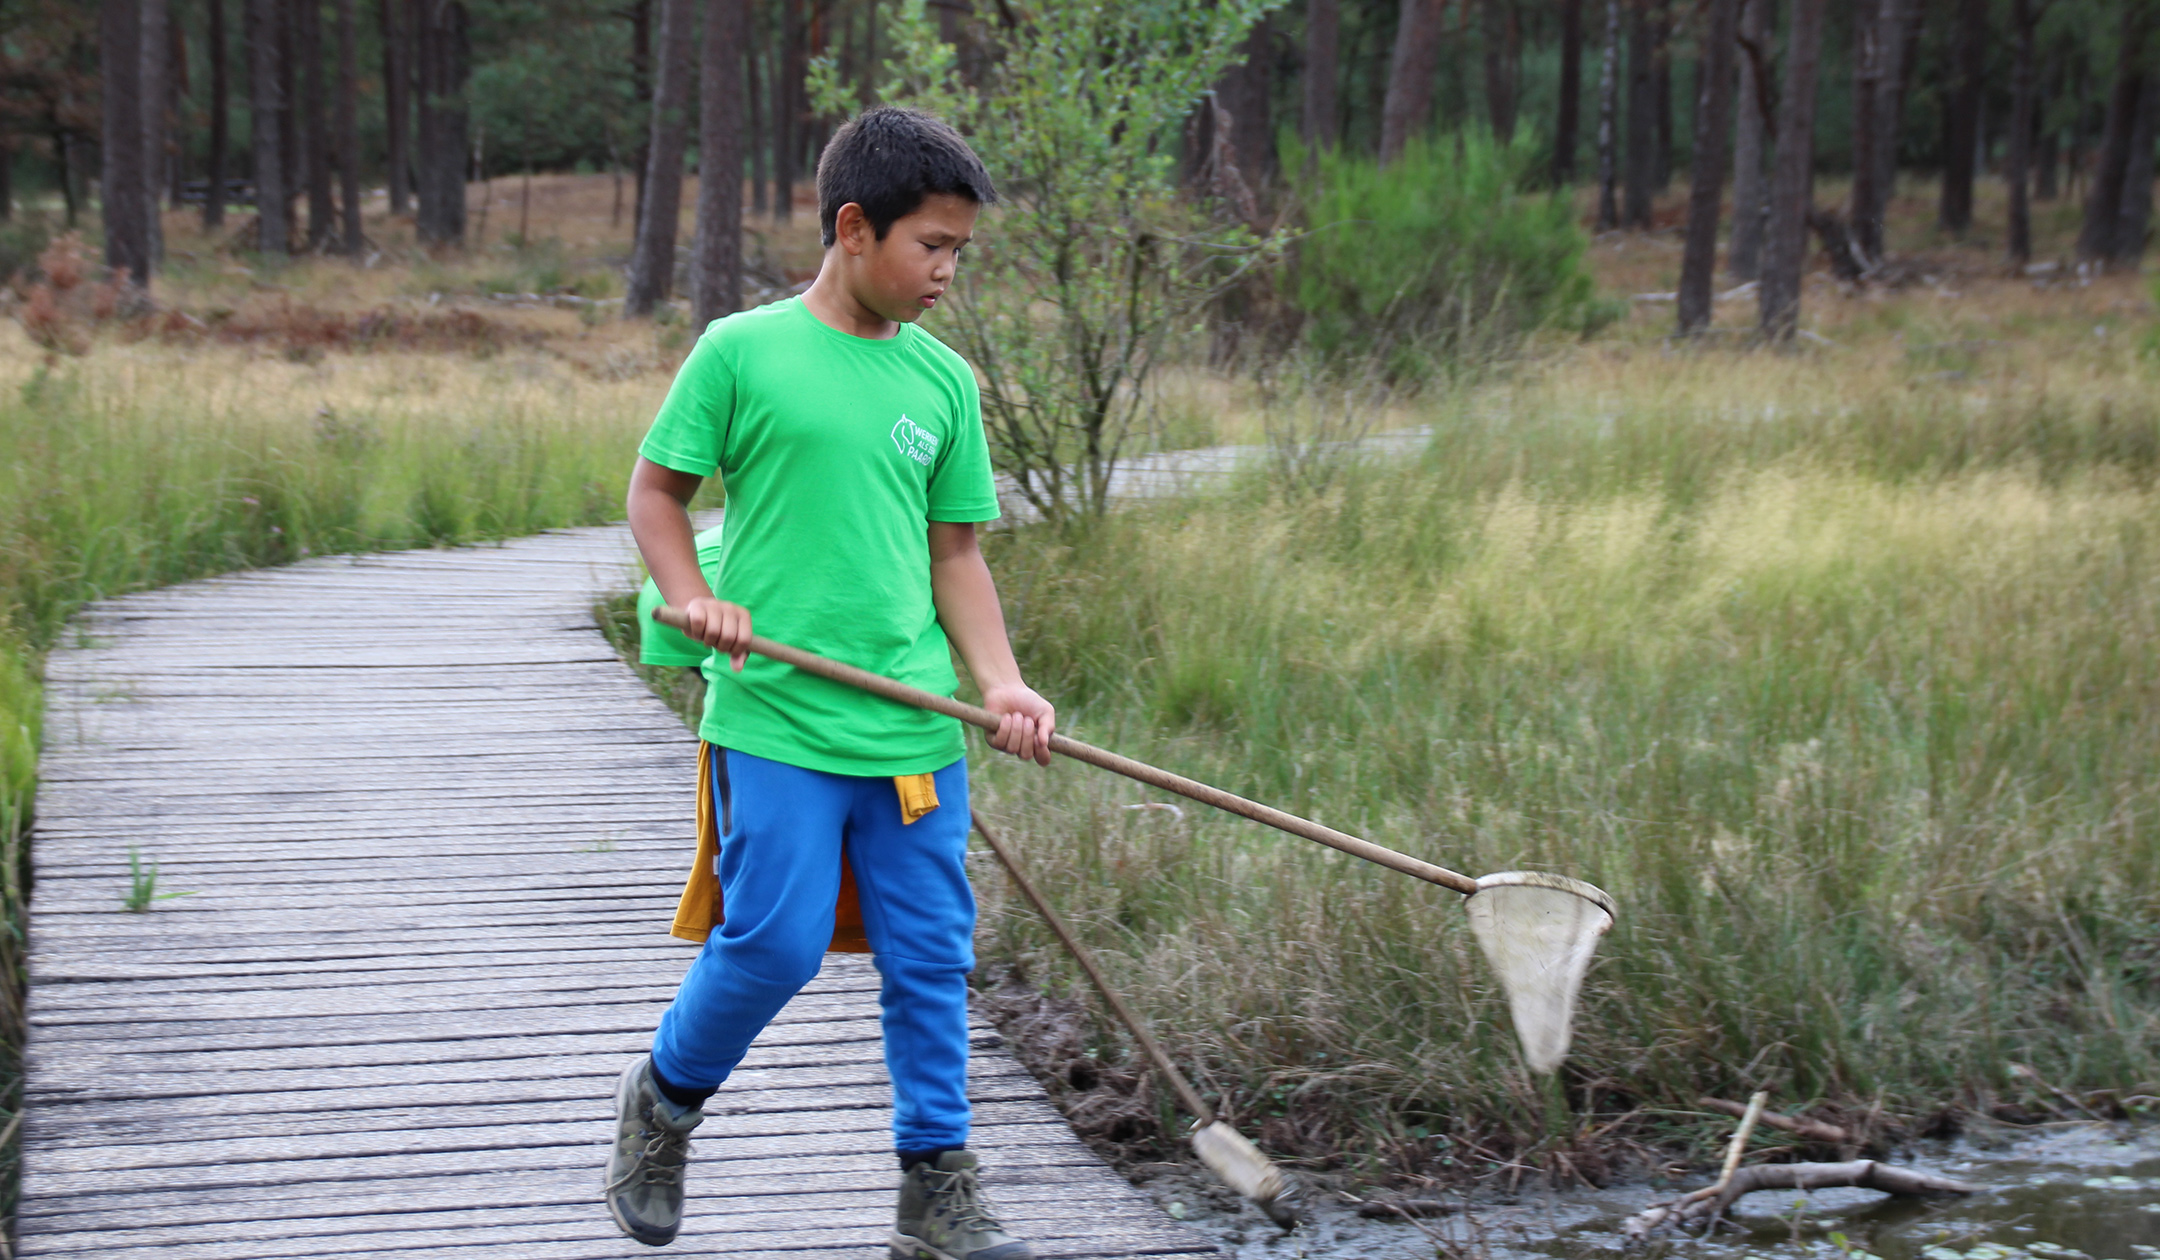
column 1539, row 932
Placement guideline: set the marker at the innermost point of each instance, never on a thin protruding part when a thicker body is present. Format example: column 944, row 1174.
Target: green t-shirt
column 665, row 645
column 836, row 452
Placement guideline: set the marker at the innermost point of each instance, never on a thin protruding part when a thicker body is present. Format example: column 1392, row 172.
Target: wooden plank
column 432, row 870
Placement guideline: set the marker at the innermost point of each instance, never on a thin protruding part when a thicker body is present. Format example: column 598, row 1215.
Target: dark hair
column 888, row 160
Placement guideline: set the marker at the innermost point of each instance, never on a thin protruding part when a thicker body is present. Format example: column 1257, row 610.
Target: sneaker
column 943, row 1216
column 645, row 1168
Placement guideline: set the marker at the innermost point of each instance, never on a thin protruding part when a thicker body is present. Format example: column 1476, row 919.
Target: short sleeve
column 690, row 432
column 961, row 485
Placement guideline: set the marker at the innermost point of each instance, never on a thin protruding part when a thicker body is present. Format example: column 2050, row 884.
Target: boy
column 852, row 450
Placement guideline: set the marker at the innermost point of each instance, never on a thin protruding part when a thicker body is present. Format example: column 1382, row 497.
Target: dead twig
column 1812, row 1130
column 1712, row 1201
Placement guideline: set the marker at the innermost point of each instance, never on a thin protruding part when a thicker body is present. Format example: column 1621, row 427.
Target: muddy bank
column 2072, row 1192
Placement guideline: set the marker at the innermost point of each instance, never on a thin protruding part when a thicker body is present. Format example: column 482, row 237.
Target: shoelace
column 968, row 1209
column 660, row 1142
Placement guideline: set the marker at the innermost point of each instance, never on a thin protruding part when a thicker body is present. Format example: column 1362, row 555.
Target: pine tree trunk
column 1500, row 56
column 155, row 86
column 2137, row 203
column 787, row 114
column 213, row 212
column 652, row 260
column 2103, row 203
column 2047, row 154
column 1713, row 122
column 1961, row 120
column 293, row 157
column 348, row 124
column 1608, row 212
column 2018, row 158
column 1743, row 258
column 1567, row 123
column 1661, row 159
column 1792, row 178
column 443, row 58
column 1323, row 32
column 1864, row 205
column 1640, row 181
column 641, row 91
column 1244, row 92
column 396, row 79
column 7, row 180
column 1411, row 66
column 127, row 230
column 759, row 156
column 314, row 120
column 266, row 125
column 716, row 255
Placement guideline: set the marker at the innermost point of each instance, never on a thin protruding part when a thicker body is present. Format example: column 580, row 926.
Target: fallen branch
column 1712, row 1201
column 1812, row 1130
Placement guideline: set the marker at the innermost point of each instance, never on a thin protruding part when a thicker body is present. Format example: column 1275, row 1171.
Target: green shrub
column 1441, row 256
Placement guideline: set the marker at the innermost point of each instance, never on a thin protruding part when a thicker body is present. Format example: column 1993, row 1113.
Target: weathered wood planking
column 431, row 834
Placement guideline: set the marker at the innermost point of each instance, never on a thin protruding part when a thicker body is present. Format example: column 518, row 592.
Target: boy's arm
column 967, row 606
column 659, row 510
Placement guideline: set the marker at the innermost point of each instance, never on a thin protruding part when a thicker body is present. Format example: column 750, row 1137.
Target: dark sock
column 679, row 1095
column 908, row 1159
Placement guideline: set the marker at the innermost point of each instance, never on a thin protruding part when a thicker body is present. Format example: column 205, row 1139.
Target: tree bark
column 1243, row 92
column 1661, row 72
column 759, row 155
column 2017, row 161
column 396, row 78
column 652, row 260
column 1411, row 66
column 1961, row 121
column 293, row 156
column 1878, row 106
column 1713, row 122
column 787, row 110
column 443, row 59
column 1502, row 53
column 1864, row 205
column 1567, row 125
column 1640, row 182
column 1792, row 178
column 348, row 124
column 2137, row 202
column 314, row 121
column 2046, row 151
column 1608, row 212
column 716, row 255
column 213, row 211
column 156, row 91
column 1743, row 258
column 641, row 91
column 127, row 230
column 266, row 126
column 2103, row 203
column 1323, row 33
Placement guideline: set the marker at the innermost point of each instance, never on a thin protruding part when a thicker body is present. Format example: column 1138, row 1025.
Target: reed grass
column 1846, row 684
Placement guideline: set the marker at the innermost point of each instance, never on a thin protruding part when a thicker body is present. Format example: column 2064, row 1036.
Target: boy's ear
column 851, row 229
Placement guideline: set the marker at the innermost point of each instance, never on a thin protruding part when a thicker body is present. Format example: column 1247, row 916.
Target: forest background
column 1781, row 555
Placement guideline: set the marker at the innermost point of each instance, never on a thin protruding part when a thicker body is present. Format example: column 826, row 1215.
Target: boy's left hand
column 1025, row 721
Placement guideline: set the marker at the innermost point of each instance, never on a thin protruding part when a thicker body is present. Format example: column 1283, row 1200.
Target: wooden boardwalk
column 431, row 862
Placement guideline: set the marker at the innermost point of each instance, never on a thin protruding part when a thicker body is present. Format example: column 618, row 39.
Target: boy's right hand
column 719, row 625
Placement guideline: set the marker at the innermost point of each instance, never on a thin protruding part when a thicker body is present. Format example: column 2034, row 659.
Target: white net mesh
column 1539, row 932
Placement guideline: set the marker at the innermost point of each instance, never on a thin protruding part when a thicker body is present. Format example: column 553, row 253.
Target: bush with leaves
column 1096, row 260
column 1443, row 256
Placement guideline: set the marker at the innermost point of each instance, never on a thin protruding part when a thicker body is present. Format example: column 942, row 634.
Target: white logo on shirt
column 915, row 442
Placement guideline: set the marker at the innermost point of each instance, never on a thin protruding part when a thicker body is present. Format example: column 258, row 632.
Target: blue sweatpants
column 786, row 831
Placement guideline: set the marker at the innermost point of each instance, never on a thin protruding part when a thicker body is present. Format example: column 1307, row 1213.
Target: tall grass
column 1855, row 709
column 138, row 467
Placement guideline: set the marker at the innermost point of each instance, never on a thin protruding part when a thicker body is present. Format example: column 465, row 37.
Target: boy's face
column 905, row 274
